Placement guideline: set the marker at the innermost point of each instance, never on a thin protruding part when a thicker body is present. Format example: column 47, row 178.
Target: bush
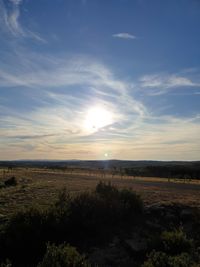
column 127, row 202
column 181, row 260
column 11, row 182
column 176, row 242
column 107, row 191
column 2, row 185
column 98, row 215
column 90, row 219
column 132, row 205
column 63, row 256
column 7, row 263
column 63, row 200
column 22, row 240
column 161, row 259
column 156, row 259
column 176, row 250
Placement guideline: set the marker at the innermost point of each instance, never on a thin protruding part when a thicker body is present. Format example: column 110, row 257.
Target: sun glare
column 97, row 118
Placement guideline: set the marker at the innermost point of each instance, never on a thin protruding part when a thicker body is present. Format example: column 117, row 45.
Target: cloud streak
column 162, row 83
column 54, row 73
column 10, row 17
column 124, row 35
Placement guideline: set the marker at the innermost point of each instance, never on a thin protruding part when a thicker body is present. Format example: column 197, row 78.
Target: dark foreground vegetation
column 107, row 227
column 8, row 182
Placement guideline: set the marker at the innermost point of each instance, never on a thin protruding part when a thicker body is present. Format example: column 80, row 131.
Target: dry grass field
column 41, row 186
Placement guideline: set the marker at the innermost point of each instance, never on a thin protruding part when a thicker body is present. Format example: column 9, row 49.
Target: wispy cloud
column 44, row 71
column 124, row 35
column 24, row 137
column 10, row 20
column 161, row 83
column 47, row 72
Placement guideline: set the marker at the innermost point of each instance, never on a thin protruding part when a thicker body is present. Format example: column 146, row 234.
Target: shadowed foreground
column 105, row 227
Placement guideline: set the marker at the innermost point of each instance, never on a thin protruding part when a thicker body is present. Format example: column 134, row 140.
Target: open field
column 41, row 186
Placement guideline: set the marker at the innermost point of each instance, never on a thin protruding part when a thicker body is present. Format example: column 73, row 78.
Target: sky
column 100, row 79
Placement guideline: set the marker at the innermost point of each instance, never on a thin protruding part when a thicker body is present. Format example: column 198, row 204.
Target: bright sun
column 97, row 118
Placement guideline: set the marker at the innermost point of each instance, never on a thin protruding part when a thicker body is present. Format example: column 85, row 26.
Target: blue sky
column 91, row 79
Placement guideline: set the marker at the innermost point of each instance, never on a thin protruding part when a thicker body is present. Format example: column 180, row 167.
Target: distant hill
column 96, row 163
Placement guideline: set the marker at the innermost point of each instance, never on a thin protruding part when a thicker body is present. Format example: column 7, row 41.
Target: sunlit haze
column 97, row 118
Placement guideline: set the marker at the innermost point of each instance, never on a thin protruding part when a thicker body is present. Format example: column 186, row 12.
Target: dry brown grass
column 40, row 186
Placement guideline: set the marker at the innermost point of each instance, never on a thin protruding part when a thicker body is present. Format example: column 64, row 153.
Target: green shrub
column 2, row 185
column 7, row 263
column 176, row 250
column 181, row 260
column 63, row 200
column 22, row 240
column 176, row 242
column 63, row 256
column 90, row 219
column 161, row 259
column 156, row 259
column 132, row 204
column 107, row 191
column 11, row 182
column 99, row 214
column 127, row 202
